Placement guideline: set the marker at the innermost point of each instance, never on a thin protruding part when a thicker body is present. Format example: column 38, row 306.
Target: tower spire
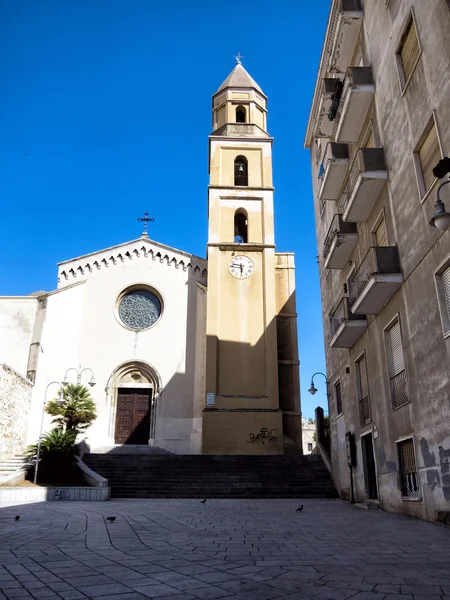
column 238, row 58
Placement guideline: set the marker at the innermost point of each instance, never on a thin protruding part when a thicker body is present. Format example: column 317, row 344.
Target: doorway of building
column 133, row 415
column 370, row 472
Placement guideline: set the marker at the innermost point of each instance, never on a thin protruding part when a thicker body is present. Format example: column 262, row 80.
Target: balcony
column 329, row 97
column 345, row 327
column 339, row 243
column 344, row 31
column 333, row 170
column 376, row 281
column 357, row 95
column 365, row 181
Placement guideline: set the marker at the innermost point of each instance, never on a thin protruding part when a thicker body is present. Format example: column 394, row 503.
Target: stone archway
column 133, row 392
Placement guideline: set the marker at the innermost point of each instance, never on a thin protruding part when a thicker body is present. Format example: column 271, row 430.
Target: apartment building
column 379, row 124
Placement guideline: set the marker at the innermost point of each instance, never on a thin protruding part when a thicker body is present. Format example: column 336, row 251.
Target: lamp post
column 79, row 373
column 441, row 218
column 60, row 402
column 312, row 390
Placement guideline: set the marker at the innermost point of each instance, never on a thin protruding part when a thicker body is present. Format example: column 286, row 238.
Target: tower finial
column 238, row 58
column 146, row 219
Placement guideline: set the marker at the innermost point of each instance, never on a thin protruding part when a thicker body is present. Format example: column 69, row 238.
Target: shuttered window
column 446, row 285
column 429, row 155
column 409, row 50
column 409, row 480
column 381, row 234
column 396, row 350
column 337, row 391
column 399, row 394
column 363, row 391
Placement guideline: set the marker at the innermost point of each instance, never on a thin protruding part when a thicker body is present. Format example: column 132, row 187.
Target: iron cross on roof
column 238, row 58
column 146, row 219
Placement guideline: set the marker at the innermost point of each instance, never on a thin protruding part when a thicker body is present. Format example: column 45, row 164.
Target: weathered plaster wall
column 17, row 315
column 15, row 396
column 398, row 121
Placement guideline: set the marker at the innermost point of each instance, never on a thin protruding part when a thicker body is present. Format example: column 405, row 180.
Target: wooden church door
column 133, row 416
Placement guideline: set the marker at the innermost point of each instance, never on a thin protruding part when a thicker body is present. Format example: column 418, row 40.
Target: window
column 443, row 286
column 240, row 227
column 408, row 476
column 362, row 386
column 240, row 171
column 408, row 53
column 139, row 308
column 337, row 393
column 397, row 372
column 428, row 155
column 240, row 114
column 309, row 447
column 380, row 233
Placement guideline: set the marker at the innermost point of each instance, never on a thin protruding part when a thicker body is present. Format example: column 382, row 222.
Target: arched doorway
column 134, row 389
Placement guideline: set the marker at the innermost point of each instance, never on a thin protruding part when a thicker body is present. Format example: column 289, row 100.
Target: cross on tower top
column 238, row 58
column 146, row 219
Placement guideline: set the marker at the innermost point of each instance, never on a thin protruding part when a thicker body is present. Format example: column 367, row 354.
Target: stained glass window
column 139, row 309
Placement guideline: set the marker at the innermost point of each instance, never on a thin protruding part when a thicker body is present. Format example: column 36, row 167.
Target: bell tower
column 242, row 413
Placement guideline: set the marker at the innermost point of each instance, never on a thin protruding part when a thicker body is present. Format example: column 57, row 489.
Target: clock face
column 241, row 267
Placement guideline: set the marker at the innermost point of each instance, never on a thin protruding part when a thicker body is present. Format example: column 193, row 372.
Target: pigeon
column 299, row 509
column 203, row 501
column 110, row 519
column 17, row 518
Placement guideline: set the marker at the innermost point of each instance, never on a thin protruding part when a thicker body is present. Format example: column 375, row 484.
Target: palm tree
column 78, row 410
column 57, row 452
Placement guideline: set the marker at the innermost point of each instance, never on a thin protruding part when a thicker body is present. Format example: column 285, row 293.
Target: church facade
column 188, row 354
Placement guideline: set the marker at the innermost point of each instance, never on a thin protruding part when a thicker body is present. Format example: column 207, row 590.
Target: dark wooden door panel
column 133, row 416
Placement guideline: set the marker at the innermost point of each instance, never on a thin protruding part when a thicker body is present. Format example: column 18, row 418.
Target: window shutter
column 446, row 284
column 381, row 234
column 409, row 50
column 407, row 458
column 396, row 350
column 429, row 155
column 363, row 377
column 370, row 143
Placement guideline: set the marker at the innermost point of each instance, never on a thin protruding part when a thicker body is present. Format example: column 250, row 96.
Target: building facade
column 189, row 354
column 379, row 123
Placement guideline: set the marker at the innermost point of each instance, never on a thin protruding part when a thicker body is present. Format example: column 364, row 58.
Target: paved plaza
column 228, row 549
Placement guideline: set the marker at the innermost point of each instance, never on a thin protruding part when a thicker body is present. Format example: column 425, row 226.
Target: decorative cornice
column 82, row 267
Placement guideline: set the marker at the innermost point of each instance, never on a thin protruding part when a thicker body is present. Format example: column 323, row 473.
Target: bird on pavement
column 203, row 501
column 300, row 508
column 110, row 519
column 17, row 518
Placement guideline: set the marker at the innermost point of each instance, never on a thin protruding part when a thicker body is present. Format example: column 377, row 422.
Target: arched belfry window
column 240, row 227
column 240, row 171
column 241, row 114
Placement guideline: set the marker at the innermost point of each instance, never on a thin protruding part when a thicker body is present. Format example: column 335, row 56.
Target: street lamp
column 312, row 390
column 441, row 218
column 79, row 373
column 60, row 402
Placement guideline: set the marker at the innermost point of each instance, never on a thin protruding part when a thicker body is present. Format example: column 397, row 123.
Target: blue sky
column 106, row 112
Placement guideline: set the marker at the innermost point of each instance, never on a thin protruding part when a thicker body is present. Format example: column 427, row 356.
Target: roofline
column 320, row 75
column 140, row 239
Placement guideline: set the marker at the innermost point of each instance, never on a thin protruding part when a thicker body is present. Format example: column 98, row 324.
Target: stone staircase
column 199, row 476
column 10, row 466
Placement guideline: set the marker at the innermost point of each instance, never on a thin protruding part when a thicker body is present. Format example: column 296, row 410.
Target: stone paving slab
column 223, row 549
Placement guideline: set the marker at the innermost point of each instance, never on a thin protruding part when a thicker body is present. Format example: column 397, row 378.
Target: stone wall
column 308, row 435
column 15, row 395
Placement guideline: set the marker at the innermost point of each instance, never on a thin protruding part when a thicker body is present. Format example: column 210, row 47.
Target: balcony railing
column 365, row 180
column 399, row 392
column 343, row 35
column 356, row 97
column 376, row 280
column 339, row 243
column 329, row 97
column 333, row 170
column 345, row 327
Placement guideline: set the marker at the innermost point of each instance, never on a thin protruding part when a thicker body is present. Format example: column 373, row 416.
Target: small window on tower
column 240, row 171
column 241, row 114
column 240, row 227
